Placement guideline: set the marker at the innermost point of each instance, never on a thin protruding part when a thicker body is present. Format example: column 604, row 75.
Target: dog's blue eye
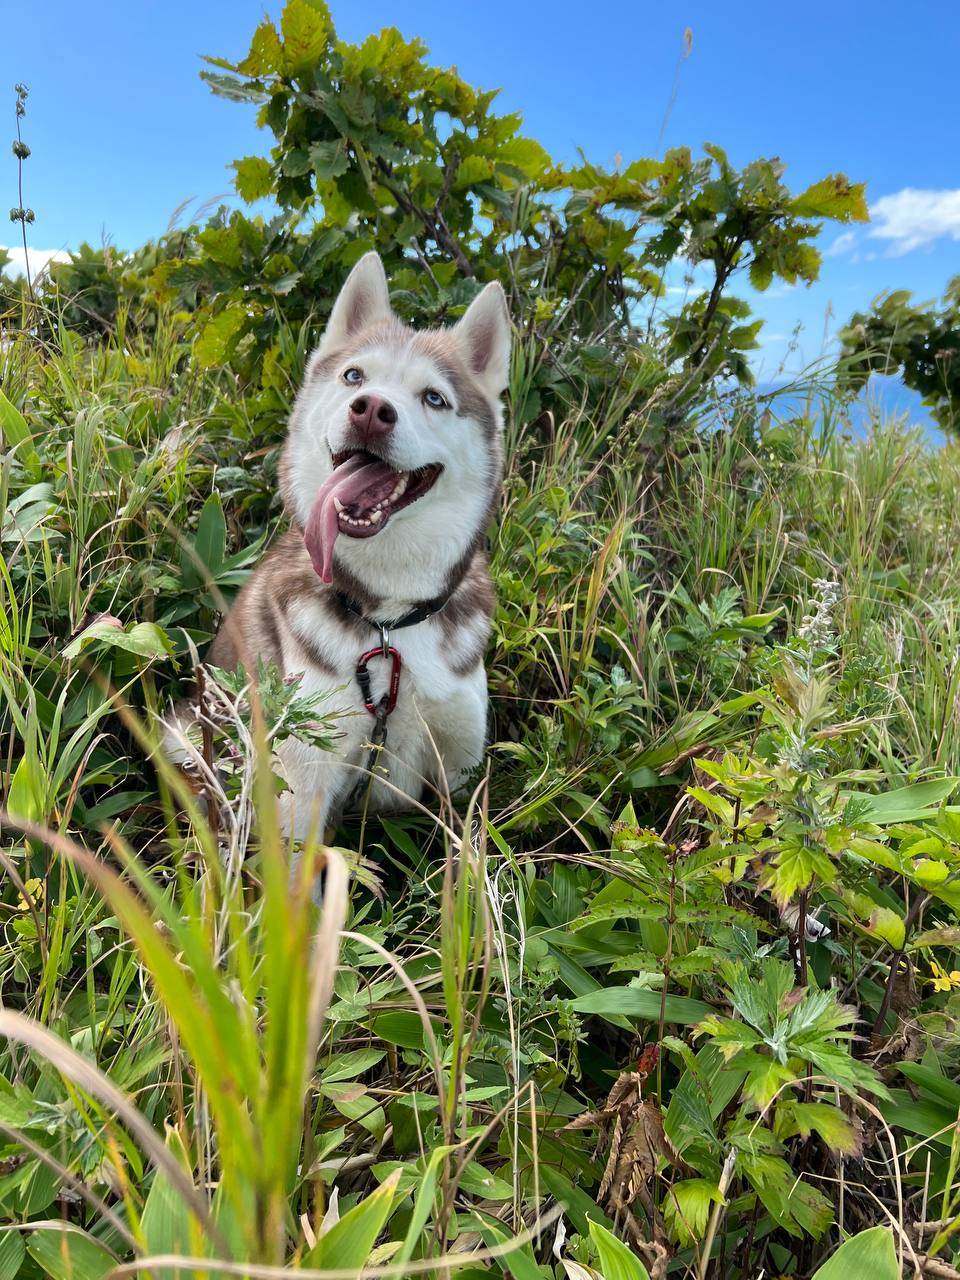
column 434, row 399
column 353, row 376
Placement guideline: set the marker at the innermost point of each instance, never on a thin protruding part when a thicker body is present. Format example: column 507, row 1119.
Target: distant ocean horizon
column 884, row 396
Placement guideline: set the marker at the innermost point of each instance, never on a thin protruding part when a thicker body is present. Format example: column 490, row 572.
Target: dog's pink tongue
column 345, row 483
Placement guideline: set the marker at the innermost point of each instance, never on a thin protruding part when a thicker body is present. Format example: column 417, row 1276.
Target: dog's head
column 394, row 456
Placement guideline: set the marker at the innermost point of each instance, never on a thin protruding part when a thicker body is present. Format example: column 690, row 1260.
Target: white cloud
column 912, row 219
column 38, row 259
column 843, row 243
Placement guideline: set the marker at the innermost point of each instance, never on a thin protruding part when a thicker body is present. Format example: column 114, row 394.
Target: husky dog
column 390, row 475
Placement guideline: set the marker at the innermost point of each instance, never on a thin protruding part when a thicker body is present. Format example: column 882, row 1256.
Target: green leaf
column 16, row 434
column 794, row 868
column 145, row 639
column 329, row 159
column 214, row 343
column 67, row 1253
column 617, row 1262
column 633, row 1002
column 687, row 1208
column 165, row 1221
column 402, row 1028
column 833, row 197
column 347, row 1245
column 28, row 786
column 347, row 1066
column 867, row 1256
column 904, row 804
column 306, row 28
column 422, row 1204
column 203, row 559
column 12, row 1250
column 232, row 89
column 266, row 53
column 254, row 178
column 826, row 1120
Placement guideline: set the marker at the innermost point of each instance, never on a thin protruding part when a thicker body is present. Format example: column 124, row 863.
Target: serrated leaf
column 254, row 178
column 213, row 344
column 266, row 52
column 833, row 197
column 329, row 159
column 828, row 1121
column 232, row 88
column 687, row 1208
column 306, row 28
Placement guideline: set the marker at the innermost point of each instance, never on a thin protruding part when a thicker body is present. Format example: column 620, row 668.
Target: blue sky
column 123, row 131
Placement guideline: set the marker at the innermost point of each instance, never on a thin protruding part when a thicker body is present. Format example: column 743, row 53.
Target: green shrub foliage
column 375, row 148
column 921, row 342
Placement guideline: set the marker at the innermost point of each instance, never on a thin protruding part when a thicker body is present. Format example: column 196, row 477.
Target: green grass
column 683, row 769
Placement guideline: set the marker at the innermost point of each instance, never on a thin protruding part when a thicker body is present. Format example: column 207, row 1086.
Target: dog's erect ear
column 484, row 338
column 363, row 300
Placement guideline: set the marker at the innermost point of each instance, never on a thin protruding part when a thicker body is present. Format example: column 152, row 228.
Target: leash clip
column 385, row 650
column 384, row 638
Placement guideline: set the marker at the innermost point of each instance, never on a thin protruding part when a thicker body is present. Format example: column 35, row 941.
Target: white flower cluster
column 817, row 628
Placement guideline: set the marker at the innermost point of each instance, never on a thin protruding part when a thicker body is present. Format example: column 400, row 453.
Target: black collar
column 419, row 613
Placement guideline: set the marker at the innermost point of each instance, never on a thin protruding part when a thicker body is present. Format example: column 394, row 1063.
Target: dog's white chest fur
column 435, row 733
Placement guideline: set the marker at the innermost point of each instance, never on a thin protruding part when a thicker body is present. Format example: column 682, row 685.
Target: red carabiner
column 363, row 677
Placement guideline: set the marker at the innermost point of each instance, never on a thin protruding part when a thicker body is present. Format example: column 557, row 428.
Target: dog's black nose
column 372, row 416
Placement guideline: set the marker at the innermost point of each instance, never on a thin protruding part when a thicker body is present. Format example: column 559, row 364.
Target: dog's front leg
column 459, row 734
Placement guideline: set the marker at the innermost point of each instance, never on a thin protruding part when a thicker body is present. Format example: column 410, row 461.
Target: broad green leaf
column 423, row 1203
column 402, row 1028
column 904, row 804
column 329, row 159
column 28, row 787
column 254, row 178
column 518, row 1263
column 483, row 1184
column 266, row 53
column 67, row 1253
column 634, row 1002
column 166, row 1222
column 12, row 1250
column 347, row 1245
column 347, row 1066
column 826, row 1120
column 833, row 197
column 687, row 1208
column 145, row 639
column 617, row 1262
column 867, row 1256
column 306, row 28
column 209, row 546
column 15, row 433
column 213, row 345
